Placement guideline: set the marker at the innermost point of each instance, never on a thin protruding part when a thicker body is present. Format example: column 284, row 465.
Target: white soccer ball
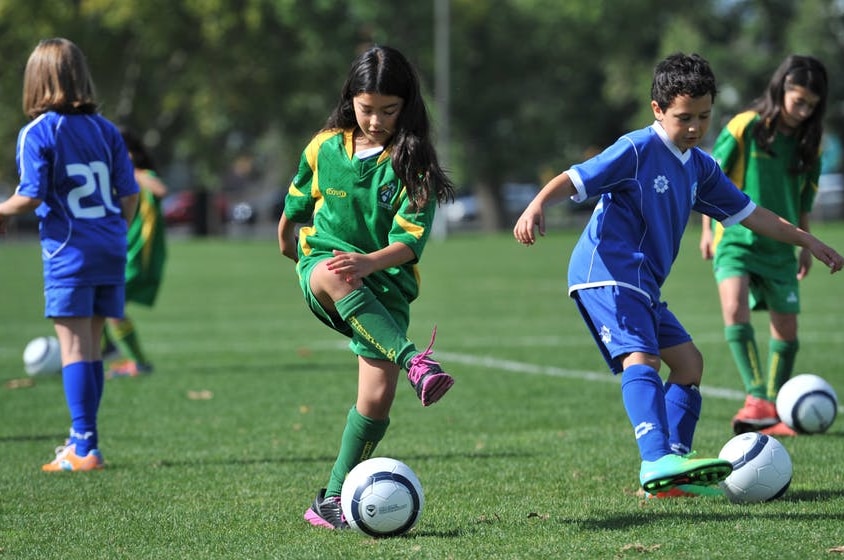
column 382, row 497
column 807, row 403
column 761, row 468
column 42, row 356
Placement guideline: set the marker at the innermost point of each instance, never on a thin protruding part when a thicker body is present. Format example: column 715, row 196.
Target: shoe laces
column 422, row 358
column 334, row 509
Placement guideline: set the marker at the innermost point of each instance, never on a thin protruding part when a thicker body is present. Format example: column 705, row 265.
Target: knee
column 691, row 371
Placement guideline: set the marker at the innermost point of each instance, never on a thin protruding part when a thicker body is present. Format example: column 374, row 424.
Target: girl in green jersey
column 368, row 185
column 772, row 152
column 146, row 255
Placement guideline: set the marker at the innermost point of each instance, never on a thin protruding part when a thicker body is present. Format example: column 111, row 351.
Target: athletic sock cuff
column 738, row 332
column 355, row 300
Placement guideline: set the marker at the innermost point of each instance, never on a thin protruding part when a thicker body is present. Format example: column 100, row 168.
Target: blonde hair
column 57, row 79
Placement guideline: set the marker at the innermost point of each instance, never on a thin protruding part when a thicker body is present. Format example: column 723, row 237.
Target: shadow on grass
column 628, row 521
column 264, row 367
column 33, row 437
column 239, row 462
column 813, row 495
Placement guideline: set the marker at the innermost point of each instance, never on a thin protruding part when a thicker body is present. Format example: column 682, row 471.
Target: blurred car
column 180, row 208
column 517, row 196
column 514, row 199
column 462, row 209
column 829, row 201
column 266, row 207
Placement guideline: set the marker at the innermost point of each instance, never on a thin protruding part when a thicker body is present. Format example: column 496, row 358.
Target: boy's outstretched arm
column 766, row 223
column 557, row 189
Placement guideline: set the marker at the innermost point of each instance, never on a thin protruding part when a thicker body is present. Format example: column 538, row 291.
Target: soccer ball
column 42, row 356
column 382, row 497
column 807, row 403
column 761, row 468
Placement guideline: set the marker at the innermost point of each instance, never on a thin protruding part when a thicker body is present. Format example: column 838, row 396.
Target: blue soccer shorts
column 84, row 301
column 623, row 320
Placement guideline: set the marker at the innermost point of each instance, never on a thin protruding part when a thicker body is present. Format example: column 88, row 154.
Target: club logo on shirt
column 335, row 192
column 386, row 194
column 661, row 184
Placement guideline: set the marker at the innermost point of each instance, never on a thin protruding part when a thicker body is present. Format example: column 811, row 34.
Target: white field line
column 553, row 371
column 525, row 368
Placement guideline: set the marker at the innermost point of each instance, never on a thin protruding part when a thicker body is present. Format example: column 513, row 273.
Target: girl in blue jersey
column 76, row 174
column 649, row 181
column 368, row 183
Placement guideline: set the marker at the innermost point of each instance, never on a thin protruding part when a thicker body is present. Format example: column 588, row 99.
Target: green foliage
column 535, row 84
column 218, row 453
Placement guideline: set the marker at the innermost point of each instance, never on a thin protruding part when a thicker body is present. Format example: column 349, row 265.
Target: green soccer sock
column 742, row 342
column 374, row 327
column 360, row 438
column 781, row 356
column 126, row 339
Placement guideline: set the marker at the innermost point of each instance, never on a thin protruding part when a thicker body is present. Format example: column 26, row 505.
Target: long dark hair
column 385, row 71
column 795, row 70
column 141, row 158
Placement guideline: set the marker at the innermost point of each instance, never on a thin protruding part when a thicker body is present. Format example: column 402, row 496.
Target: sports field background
column 219, row 452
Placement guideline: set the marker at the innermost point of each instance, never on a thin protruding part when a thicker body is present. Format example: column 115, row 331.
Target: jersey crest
column 386, row 194
column 661, row 184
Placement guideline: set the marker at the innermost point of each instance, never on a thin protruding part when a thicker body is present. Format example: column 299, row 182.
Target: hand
column 706, row 244
column 351, row 266
column 827, row 255
column 524, row 231
column 804, row 263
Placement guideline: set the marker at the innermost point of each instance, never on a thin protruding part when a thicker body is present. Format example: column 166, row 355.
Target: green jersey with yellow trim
column 766, row 178
column 355, row 204
column 146, row 250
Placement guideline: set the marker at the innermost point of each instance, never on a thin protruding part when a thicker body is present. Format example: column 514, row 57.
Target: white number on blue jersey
column 96, row 178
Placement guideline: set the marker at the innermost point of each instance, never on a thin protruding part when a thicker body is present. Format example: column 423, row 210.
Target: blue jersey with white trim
column 647, row 190
column 79, row 167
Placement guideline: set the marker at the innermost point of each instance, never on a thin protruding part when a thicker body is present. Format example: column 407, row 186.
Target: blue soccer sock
column 682, row 408
column 99, row 380
column 644, row 399
column 81, row 394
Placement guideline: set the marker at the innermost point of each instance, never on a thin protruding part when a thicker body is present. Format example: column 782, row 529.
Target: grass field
column 220, row 451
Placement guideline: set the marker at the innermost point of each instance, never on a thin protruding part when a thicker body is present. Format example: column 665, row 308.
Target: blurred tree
column 536, row 84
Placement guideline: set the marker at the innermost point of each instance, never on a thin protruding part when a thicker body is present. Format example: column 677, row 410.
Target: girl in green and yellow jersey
column 367, row 187
column 772, row 153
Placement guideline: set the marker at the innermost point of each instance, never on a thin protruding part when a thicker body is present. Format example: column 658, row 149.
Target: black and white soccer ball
column 42, row 356
column 761, row 468
column 807, row 404
column 382, row 497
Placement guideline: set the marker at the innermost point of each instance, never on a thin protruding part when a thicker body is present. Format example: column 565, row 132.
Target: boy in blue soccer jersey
column 76, row 174
column 649, row 181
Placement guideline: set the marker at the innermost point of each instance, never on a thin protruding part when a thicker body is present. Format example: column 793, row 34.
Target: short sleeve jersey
column 79, row 167
column 766, row 179
column 647, row 190
column 357, row 205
